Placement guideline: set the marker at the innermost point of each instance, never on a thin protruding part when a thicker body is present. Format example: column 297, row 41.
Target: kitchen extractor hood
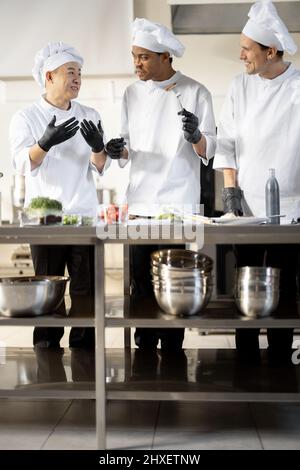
column 224, row 16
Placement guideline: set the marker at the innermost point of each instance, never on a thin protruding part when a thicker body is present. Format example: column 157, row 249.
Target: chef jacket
column 165, row 169
column 65, row 173
column 260, row 129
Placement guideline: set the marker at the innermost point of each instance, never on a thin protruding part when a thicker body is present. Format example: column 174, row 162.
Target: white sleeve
column 21, row 140
column 225, row 154
column 207, row 125
column 124, row 130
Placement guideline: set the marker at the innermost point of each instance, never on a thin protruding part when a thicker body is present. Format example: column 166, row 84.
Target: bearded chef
column 57, row 162
column 165, row 143
column 259, row 129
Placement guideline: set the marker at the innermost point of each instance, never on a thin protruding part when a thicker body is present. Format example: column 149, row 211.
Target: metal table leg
column 100, row 346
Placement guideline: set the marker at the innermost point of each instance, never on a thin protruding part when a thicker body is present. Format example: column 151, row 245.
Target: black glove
column 114, row 148
column 232, row 198
column 54, row 135
column 92, row 135
column 190, row 126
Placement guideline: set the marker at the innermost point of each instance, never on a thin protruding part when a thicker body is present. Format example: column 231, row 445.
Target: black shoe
column 46, row 344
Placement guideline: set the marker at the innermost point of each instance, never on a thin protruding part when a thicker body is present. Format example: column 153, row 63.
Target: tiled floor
column 70, row 424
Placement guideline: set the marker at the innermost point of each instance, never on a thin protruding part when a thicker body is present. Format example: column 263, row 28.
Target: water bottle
column 272, row 198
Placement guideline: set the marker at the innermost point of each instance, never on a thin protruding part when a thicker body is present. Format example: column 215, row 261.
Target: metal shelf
column 192, row 375
column 222, row 314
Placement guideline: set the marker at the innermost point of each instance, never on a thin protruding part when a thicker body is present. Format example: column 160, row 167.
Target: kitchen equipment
column 182, row 301
column 31, row 296
column 182, row 280
column 256, row 290
column 181, row 259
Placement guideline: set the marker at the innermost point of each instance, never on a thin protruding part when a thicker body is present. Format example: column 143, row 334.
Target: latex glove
column 92, row 135
column 54, row 135
column 190, row 126
column 114, row 148
column 232, row 198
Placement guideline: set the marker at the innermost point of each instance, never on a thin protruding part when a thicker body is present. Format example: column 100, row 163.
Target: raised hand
column 55, row 135
column 92, row 135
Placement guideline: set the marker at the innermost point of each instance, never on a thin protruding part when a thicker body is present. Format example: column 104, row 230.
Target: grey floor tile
column 84, row 438
column 120, row 415
column 278, row 425
column 208, row 417
column 224, row 440
column 27, row 424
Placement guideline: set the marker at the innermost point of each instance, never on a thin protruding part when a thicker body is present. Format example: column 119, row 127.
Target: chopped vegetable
column 70, row 219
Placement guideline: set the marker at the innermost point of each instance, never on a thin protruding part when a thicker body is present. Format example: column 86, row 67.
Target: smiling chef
column 260, row 129
column 57, row 162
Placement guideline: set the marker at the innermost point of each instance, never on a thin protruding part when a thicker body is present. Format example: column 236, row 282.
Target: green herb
column 45, row 203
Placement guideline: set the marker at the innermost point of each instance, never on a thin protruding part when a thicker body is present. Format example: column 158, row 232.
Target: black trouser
column 51, row 260
column 140, row 264
column 285, row 257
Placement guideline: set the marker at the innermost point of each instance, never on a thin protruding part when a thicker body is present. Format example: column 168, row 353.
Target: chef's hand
column 54, row 135
column 114, row 148
column 232, row 198
column 92, row 135
column 190, row 126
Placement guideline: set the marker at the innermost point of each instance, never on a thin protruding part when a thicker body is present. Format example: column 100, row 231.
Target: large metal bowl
column 31, row 296
column 180, row 259
column 183, row 301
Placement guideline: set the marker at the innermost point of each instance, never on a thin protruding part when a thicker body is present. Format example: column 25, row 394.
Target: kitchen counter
column 120, row 312
column 213, row 234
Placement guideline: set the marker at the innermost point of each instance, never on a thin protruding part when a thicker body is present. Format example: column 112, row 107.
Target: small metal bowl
column 31, row 296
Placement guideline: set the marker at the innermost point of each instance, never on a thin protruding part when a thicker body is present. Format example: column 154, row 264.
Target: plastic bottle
column 272, row 198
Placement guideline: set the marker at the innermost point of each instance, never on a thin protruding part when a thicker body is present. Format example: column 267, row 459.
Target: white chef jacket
column 165, row 169
column 260, row 129
column 65, row 173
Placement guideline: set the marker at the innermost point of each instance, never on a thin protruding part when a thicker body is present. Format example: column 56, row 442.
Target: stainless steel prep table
column 123, row 313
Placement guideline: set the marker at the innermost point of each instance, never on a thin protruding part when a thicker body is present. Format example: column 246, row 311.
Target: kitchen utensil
column 31, row 296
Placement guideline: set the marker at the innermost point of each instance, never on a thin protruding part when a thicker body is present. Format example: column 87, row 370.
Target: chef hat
column 266, row 27
column 155, row 37
column 52, row 56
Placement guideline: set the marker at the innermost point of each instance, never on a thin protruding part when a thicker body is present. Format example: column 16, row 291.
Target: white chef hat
column 52, row 56
column 267, row 28
column 155, row 37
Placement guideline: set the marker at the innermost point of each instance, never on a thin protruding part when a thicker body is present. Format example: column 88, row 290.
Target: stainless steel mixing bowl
column 183, row 301
column 257, row 290
column 31, row 296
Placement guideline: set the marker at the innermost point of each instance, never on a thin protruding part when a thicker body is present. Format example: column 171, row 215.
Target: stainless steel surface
column 33, row 295
column 164, row 272
column 257, row 271
column 212, row 235
column 257, row 290
column 142, row 314
column 100, row 346
column 223, row 18
column 221, row 315
column 184, row 301
column 180, row 259
column 257, row 304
